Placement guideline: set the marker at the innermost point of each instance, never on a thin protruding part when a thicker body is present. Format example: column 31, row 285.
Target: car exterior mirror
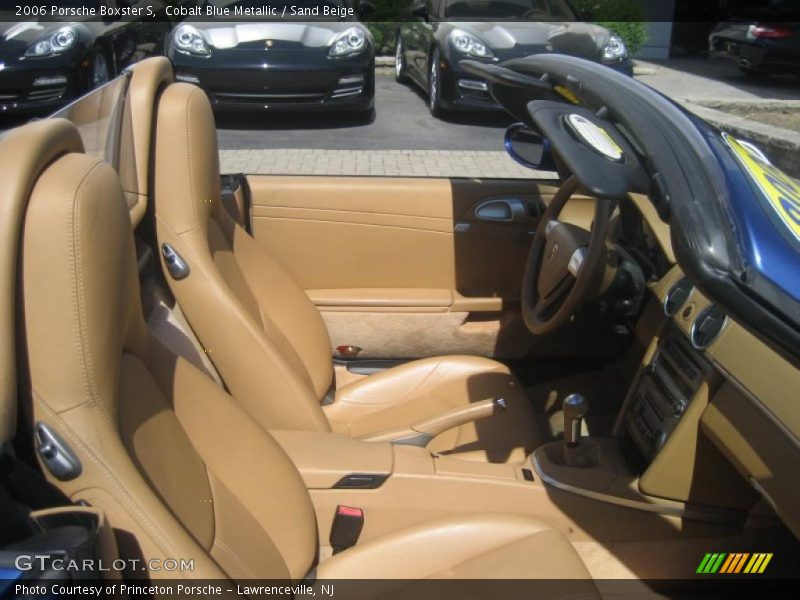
column 529, row 148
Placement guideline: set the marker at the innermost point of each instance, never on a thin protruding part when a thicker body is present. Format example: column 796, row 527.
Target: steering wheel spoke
column 545, row 303
column 576, row 261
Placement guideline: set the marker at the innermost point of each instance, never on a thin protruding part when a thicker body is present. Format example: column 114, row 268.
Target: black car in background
column 763, row 41
column 430, row 49
column 308, row 55
column 44, row 62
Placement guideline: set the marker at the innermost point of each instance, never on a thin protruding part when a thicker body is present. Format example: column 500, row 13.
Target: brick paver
column 389, row 163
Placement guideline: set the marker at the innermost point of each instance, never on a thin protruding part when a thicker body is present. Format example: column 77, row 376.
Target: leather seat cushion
column 467, row 547
column 421, row 389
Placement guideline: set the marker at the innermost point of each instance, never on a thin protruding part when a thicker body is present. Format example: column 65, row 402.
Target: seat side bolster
column 265, row 503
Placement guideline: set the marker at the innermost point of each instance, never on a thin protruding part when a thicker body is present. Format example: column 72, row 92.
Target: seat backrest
column 180, row 470
column 261, row 331
column 22, row 158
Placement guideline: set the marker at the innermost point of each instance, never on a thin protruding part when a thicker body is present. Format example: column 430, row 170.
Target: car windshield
column 496, row 10
column 98, row 118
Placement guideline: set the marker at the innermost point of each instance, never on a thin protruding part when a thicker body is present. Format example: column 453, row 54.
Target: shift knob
column 575, row 408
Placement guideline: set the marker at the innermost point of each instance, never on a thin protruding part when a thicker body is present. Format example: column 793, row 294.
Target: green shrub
column 626, row 18
column 633, row 33
column 385, row 21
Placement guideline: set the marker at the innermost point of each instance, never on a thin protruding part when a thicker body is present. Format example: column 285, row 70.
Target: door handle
column 503, row 210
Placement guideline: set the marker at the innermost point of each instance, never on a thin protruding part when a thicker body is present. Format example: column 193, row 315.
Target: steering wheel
column 565, row 265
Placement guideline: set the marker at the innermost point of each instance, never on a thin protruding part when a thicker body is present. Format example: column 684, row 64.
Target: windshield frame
column 113, row 139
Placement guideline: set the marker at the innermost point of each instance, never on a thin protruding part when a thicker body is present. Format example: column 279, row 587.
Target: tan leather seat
column 180, row 470
column 266, row 337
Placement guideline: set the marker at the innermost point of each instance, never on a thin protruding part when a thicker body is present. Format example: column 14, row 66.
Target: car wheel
column 435, row 86
column 400, row 73
column 98, row 72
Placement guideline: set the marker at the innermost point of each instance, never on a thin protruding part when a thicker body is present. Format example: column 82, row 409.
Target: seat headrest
column 24, row 153
column 79, row 285
column 187, row 185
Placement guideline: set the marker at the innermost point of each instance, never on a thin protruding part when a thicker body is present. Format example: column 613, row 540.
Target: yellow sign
column 782, row 192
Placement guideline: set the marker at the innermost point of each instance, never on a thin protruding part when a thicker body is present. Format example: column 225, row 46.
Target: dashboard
column 706, row 369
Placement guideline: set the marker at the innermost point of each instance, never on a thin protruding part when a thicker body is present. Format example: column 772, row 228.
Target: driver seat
column 267, row 339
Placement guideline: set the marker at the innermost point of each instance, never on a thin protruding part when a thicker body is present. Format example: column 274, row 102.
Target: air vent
column 677, row 296
column 707, row 326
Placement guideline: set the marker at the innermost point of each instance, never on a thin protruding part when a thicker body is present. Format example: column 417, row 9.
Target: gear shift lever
column 575, row 408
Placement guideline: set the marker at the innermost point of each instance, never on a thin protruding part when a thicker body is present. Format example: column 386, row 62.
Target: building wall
column 660, row 15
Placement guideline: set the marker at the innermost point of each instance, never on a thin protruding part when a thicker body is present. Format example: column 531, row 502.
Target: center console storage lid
column 325, row 459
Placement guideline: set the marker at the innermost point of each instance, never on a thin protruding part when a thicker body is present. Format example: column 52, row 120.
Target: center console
column 657, row 459
column 663, row 393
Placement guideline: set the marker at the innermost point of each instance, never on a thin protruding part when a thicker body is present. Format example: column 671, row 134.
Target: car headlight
column 53, row 43
column 188, row 40
column 351, row 41
column 615, row 49
column 468, row 44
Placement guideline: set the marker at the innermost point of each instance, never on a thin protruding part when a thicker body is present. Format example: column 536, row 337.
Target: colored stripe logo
column 734, row 563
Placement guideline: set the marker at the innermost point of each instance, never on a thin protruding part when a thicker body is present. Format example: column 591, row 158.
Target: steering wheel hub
column 565, row 264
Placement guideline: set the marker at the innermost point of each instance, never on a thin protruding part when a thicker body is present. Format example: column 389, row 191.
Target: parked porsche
column 46, row 63
column 299, row 59
column 429, row 50
column 763, row 41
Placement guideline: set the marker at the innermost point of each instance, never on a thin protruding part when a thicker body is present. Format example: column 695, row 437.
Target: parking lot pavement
column 402, row 122
column 717, row 79
column 387, row 163
column 403, row 139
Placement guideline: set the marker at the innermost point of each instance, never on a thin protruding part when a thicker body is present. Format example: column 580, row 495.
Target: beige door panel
column 372, row 232
column 404, row 267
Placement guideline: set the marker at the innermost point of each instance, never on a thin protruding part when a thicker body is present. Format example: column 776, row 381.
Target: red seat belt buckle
column 346, row 528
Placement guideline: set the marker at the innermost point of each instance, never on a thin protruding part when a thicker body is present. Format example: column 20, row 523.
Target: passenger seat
column 180, row 470
column 267, row 339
